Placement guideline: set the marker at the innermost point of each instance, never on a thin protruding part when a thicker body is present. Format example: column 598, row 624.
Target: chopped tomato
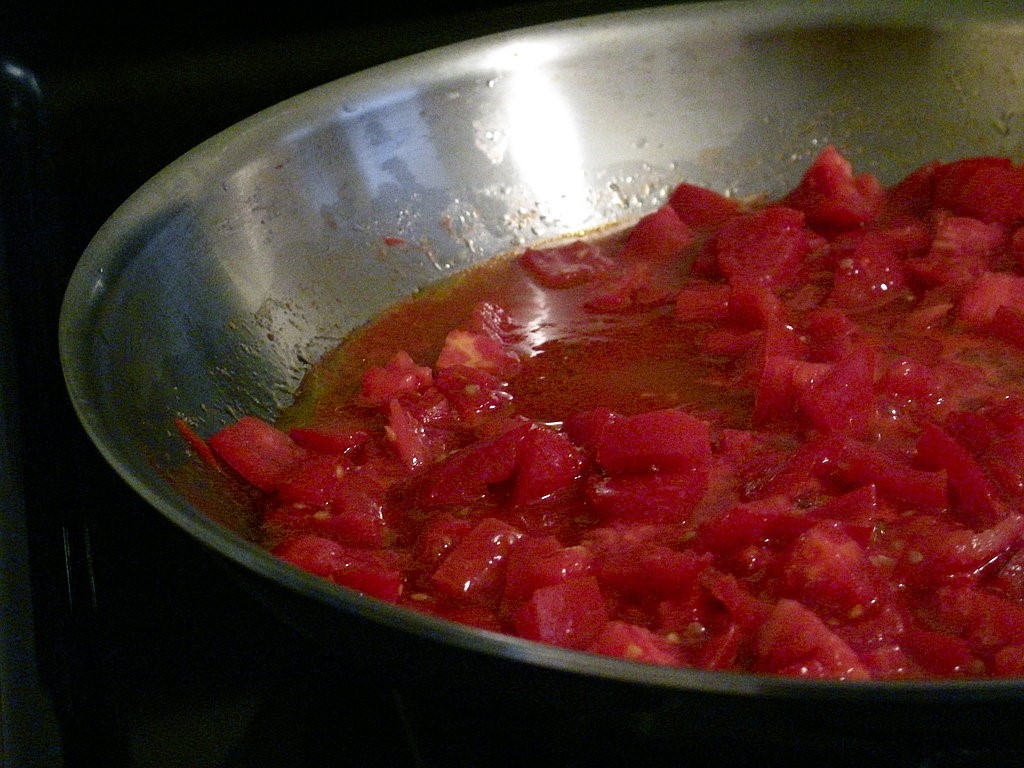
column 256, row 450
column 562, row 266
column 832, row 196
column 474, row 569
column 571, row 614
column 771, row 435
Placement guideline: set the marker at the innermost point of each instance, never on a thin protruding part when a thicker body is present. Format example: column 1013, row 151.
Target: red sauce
column 784, row 436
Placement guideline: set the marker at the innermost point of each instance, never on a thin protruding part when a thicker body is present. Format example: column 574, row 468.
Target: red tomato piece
column 986, row 295
column 584, row 427
column 439, row 534
column 702, row 302
column 647, row 498
column 775, row 396
column 570, row 614
column 939, row 653
column 256, row 450
column 563, row 266
column 657, row 236
column 745, row 525
column 858, row 505
column 472, row 392
column 375, row 572
column 798, row 472
column 623, row 640
column 829, row 571
column 869, row 271
column 650, row 569
column 478, row 350
column 830, row 334
column 493, row 320
column 1010, row 579
column 990, row 622
column 315, row 480
column 766, row 246
column 632, row 289
column 701, row 207
column 401, row 375
column 1008, row 325
column 548, row 464
column 468, row 474
column 1009, row 661
column 971, row 489
column 408, row 436
column 329, row 438
column 541, row 561
column 664, row 440
column 475, row 567
column 987, row 188
column 795, row 641
column 753, row 304
column 962, row 250
column 841, row 399
column 892, row 474
column 832, row 197
column 938, row 551
column 358, row 521
column 911, row 197
column 747, row 613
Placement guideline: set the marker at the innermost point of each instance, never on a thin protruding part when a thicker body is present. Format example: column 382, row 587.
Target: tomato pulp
column 780, row 435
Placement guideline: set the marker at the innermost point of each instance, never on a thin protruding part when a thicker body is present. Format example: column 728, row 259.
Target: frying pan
column 211, row 290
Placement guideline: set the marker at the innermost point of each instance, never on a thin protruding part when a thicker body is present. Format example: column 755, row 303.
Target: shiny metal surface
column 209, row 292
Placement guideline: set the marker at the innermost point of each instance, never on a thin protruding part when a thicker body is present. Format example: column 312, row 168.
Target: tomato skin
column 198, row 445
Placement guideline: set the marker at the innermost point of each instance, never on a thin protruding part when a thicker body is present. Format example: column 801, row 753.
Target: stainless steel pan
column 211, row 290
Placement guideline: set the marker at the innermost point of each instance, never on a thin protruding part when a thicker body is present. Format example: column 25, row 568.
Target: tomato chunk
column 474, row 569
column 570, row 614
column 375, row 572
column 563, row 266
column 669, row 440
column 257, row 451
column 831, row 196
column 795, row 641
